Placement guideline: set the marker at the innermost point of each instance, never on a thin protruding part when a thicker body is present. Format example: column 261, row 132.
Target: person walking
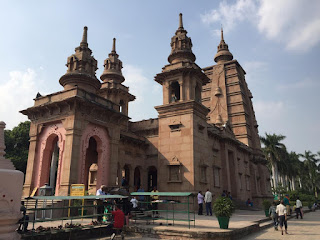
column 298, row 208
column 281, row 210
column 200, row 203
column 208, row 201
column 274, row 215
column 286, row 203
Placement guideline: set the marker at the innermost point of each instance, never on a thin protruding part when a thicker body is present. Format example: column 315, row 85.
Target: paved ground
column 302, row 229
column 305, row 229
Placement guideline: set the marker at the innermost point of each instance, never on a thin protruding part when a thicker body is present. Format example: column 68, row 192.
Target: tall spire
column 84, row 42
column 112, row 66
column 223, row 54
column 82, row 68
column 181, row 45
column 114, row 46
column 180, row 22
column 222, row 34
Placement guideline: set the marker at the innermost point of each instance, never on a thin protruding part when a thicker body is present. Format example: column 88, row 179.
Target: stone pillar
column 11, row 182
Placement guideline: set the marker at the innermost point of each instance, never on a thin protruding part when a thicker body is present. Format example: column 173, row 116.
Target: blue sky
column 276, row 41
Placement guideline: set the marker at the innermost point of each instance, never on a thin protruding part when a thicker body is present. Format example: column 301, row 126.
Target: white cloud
column 305, row 83
column 230, row 14
column 17, row 93
column 269, row 110
column 146, row 91
column 294, row 23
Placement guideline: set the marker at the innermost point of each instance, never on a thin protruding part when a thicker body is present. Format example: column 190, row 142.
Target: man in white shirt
column 208, row 201
column 282, row 213
column 134, row 202
column 298, row 208
column 100, row 207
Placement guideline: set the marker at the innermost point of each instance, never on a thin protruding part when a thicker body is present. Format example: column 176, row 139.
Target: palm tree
column 273, row 148
column 310, row 162
column 294, row 172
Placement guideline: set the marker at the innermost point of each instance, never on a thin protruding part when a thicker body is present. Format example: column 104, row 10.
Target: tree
column 273, row 149
column 310, row 162
column 17, row 145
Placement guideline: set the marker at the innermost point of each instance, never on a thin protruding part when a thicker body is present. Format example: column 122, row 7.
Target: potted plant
column 266, row 205
column 223, row 208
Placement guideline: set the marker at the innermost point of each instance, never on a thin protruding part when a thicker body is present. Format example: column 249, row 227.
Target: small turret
column 181, row 45
column 112, row 67
column 82, row 68
column 223, row 53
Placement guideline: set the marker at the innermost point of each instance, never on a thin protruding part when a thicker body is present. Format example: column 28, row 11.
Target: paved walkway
column 302, row 229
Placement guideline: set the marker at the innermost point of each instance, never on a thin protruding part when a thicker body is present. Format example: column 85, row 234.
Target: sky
column 277, row 42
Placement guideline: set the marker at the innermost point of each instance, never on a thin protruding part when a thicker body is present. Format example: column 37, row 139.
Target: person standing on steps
column 208, row 201
column 282, row 213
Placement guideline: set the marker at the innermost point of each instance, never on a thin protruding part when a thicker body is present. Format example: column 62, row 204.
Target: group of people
column 207, row 199
column 279, row 213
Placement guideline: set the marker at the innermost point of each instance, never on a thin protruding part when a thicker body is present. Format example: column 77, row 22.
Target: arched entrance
column 49, row 157
column 152, row 177
column 95, row 149
column 91, row 158
column 137, row 178
column 125, row 176
column 54, row 164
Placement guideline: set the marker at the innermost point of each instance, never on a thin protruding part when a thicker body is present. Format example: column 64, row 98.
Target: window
column 174, row 173
column 248, row 182
column 203, row 173
column 240, row 181
column 216, row 174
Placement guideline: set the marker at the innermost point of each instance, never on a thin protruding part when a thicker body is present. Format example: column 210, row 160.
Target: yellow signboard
column 34, row 192
column 77, row 190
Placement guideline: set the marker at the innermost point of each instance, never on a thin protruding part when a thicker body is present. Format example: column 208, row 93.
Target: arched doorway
column 91, row 158
column 137, row 178
column 54, row 164
column 152, row 177
column 125, row 176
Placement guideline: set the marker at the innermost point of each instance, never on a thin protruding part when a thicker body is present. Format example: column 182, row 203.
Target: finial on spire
column 180, row 21
column 114, row 45
column 84, row 42
column 221, row 33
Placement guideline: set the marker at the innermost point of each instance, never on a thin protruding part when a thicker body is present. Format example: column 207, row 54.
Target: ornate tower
column 181, row 114
column 229, row 97
column 82, row 68
column 74, row 133
column 112, row 87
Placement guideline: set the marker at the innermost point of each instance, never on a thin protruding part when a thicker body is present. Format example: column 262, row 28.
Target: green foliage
column 223, row 207
column 266, row 204
column 17, row 145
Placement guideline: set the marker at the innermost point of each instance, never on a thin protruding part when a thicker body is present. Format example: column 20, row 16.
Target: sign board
column 34, row 192
column 77, row 190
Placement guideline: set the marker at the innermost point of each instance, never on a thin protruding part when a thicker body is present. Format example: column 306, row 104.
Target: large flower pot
column 266, row 212
column 223, row 222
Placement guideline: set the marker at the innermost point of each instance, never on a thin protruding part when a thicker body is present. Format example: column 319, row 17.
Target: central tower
column 181, row 114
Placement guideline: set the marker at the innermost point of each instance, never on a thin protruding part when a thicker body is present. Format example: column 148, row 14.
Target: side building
column 205, row 136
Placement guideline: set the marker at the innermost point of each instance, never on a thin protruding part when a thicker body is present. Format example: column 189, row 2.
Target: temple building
column 205, row 136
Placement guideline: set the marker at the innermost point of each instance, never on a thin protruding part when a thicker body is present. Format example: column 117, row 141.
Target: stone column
column 11, row 182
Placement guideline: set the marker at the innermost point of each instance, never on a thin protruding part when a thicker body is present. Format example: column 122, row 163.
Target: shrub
column 223, row 207
column 266, row 204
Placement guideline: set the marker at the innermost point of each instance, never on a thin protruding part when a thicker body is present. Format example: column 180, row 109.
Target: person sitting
column 118, row 221
column 24, row 221
column 249, row 203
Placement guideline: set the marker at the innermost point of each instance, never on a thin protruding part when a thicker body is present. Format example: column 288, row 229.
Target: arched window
column 122, row 106
column 174, row 91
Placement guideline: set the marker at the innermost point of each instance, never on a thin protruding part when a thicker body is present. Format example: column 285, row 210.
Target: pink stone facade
column 205, row 136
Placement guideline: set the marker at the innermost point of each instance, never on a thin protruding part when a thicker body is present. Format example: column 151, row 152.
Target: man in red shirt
column 118, row 217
